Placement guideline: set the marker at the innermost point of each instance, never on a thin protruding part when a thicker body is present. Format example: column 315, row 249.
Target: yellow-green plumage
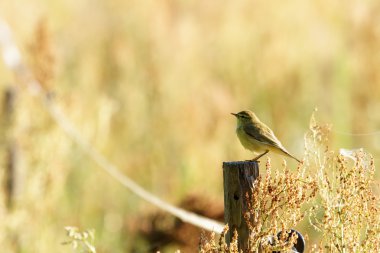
column 257, row 137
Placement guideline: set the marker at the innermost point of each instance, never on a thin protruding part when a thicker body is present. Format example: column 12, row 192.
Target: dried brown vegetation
column 344, row 208
column 275, row 205
column 150, row 84
column 347, row 210
column 42, row 55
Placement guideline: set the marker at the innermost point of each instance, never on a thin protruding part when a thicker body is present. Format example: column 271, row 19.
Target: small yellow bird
column 255, row 136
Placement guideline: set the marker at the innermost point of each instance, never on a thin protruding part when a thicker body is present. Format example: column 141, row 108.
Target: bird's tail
column 282, row 151
column 292, row 156
column 286, row 153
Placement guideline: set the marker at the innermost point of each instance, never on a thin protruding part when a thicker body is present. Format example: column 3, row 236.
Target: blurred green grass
column 151, row 85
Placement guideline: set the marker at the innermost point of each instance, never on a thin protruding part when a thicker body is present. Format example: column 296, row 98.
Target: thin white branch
column 12, row 59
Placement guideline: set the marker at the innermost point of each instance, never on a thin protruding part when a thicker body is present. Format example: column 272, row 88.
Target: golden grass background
column 151, row 84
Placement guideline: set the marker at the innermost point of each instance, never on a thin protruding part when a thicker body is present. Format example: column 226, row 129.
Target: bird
column 257, row 137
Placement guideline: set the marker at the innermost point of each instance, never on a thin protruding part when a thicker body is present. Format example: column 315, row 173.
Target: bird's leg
column 259, row 156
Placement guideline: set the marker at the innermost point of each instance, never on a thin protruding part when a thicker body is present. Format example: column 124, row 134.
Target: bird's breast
column 249, row 142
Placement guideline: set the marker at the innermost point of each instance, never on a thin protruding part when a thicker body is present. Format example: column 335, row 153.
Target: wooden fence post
column 238, row 178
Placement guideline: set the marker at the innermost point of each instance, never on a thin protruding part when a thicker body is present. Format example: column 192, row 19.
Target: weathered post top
column 238, row 179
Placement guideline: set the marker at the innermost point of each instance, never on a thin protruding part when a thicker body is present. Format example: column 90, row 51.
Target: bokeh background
column 151, row 84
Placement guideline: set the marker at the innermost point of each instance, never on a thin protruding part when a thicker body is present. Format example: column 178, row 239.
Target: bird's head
column 246, row 117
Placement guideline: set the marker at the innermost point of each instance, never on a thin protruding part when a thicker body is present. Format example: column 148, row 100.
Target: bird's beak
column 234, row 114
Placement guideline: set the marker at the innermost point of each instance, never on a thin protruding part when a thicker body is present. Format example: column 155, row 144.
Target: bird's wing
column 263, row 134
column 266, row 136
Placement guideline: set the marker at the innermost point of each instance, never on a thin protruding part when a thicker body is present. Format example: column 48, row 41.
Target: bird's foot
column 259, row 156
